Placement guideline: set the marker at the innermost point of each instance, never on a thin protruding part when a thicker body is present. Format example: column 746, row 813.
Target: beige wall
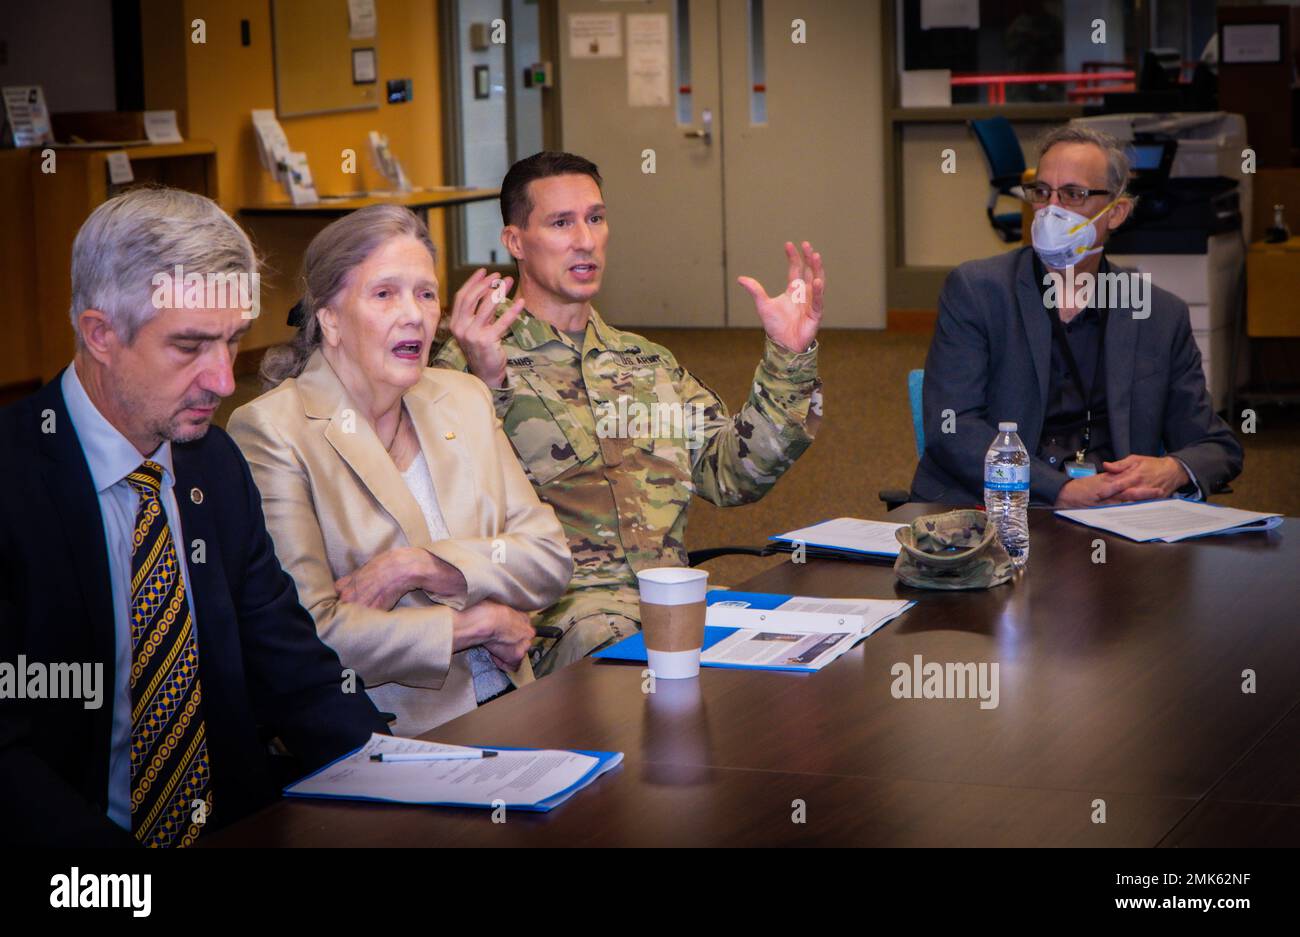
column 942, row 214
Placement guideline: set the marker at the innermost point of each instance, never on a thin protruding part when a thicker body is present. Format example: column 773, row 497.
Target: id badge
column 1079, row 469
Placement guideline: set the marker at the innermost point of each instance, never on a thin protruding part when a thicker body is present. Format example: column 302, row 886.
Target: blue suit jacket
column 989, row 363
column 264, row 671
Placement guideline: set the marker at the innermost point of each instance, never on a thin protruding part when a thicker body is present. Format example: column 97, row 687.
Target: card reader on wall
column 399, row 90
column 538, row 75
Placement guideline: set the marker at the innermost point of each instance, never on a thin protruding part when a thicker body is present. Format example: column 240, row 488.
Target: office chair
column 1006, row 164
column 894, row 497
column 696, row 557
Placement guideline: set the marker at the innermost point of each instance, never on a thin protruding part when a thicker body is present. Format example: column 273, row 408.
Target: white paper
column 517, row 778
column 803, row 632
column 301, row 188
column 647, row 60
column 780, row 649
column 804, row 614
column 849, row 533
column 119, row 168
column 949, row 14
column 361, row 19
column 363, row 65
column 595, row 36
column 27, row 116
column 389, row 166
column 272, row 144
column 160, row 127
column 1171, row 520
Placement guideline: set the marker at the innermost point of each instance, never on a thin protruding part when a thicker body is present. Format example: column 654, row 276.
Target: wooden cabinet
column 1273, row 290
column 20, row 347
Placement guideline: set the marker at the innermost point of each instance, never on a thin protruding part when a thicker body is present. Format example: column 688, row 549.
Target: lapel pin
column 196, row 495
column 449, row 435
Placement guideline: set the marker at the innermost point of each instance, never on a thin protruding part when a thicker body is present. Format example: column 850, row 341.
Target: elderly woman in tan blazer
column 394, row 498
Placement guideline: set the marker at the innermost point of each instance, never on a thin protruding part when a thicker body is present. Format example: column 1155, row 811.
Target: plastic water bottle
column 1006, row 492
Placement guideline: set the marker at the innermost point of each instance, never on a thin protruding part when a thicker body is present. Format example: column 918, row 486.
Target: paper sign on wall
column 160, row 127
column 119, row 168
column 362, row 20
column 595, row 36
column 647, row 60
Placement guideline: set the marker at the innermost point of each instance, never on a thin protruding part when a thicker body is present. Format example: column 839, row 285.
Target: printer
column 1187, row 175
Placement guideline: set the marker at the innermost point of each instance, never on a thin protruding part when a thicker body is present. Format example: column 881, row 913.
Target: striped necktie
column 170, row 782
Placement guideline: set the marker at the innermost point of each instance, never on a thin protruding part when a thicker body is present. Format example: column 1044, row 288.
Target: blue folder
column 632, row 648
column 605, row 761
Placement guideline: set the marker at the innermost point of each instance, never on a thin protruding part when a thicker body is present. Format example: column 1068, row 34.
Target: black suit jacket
column 263, row 669
column 989, row 362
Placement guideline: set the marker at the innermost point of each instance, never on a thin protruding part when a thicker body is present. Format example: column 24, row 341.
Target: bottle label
column 1006, row 477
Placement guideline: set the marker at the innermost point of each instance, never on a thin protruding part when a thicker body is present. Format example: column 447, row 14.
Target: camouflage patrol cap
column 957, row 550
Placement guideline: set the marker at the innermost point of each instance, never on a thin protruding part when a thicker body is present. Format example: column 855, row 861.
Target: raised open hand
column 791, row 318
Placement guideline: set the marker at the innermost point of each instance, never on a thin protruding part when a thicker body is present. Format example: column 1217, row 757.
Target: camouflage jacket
column 617, row 437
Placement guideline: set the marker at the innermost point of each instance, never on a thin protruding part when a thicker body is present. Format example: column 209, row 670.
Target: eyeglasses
column 1071, row 196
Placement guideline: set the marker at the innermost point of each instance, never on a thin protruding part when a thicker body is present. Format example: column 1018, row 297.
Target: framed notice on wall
column 1251, row 43
column 363, row 66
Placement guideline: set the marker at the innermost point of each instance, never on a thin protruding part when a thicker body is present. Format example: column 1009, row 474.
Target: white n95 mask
column 1062, row 237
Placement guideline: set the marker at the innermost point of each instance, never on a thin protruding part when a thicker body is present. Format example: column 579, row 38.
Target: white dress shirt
column 111, row 457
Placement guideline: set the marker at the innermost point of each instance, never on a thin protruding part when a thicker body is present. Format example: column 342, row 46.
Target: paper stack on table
column 847, row 536
column 521, row 779
column 764, row 631
column 1171, row 520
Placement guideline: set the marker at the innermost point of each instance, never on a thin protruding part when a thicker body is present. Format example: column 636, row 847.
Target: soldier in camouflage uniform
column 614, row 434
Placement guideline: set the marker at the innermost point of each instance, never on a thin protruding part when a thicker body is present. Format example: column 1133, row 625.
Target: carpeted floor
column 866, row 441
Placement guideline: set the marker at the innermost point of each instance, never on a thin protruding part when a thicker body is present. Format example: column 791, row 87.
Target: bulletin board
column 313, row 59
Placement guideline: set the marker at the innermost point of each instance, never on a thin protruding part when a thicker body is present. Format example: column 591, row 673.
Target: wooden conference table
column 1119, row 683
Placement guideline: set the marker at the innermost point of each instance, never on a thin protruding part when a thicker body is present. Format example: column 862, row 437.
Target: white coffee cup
column 672, row 619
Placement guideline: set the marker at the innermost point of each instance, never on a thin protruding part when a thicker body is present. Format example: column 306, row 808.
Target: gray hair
column 340, row 248
column 131, row 238
column 1117, row 159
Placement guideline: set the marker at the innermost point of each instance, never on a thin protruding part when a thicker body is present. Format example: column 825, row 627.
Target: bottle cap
column 1006, row 427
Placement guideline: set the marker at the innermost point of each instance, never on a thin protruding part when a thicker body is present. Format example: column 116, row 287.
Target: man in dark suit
column 132, row 545
column 1097, row 367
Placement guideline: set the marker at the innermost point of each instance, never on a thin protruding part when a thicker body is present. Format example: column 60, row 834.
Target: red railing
column 1081, row 84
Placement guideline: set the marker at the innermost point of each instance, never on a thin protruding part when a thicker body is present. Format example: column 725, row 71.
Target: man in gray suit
column 1096, row 366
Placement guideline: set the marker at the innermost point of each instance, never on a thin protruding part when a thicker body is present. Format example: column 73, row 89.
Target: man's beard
column 170, row 428
column 174, row 431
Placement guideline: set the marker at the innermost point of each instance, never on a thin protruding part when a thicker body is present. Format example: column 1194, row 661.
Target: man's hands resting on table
column 1133, row 478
